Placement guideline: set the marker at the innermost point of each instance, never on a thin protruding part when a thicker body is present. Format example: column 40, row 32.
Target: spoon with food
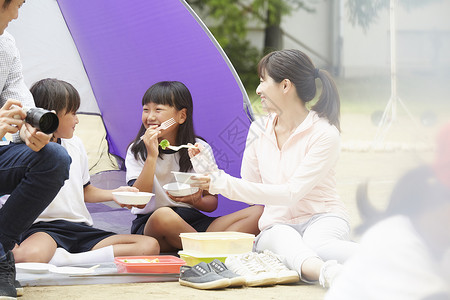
column 165, row 144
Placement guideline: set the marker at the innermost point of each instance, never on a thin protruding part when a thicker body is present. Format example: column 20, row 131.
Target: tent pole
column 390, row 112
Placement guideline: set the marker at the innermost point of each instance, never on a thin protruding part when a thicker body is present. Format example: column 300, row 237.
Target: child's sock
column 64, row 258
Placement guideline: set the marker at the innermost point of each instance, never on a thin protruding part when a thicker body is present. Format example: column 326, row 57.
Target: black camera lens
column 42, row 119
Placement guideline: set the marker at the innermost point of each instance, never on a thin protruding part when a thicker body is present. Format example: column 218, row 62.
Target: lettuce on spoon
column 164, row 144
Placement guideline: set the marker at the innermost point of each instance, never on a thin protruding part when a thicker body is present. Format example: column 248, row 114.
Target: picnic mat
column 105, row 274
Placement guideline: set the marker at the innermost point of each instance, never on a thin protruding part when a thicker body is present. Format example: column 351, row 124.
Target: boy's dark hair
column 174, row 94
column 57, row 95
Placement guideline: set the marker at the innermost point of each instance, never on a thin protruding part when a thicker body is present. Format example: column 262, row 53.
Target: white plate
column 33, row 267
column 133, row 198
column 71, row 270
column 183, row 177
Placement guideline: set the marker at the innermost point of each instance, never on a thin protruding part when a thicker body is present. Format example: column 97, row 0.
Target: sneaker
column 202, row 277
column 253, row 271
column 19, row 288
column 329, row 271
column 17, row 285
column 220, row 268
column 272, row 263
column 7, row 277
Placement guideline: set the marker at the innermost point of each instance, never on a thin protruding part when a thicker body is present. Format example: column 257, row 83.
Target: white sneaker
column 249, row 266
column 329, row 271
column 273, row 264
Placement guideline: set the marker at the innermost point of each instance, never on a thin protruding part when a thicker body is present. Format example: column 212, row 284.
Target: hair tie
column 316, row 73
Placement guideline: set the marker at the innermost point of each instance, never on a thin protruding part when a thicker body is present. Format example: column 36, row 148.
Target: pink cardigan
column 293, row 183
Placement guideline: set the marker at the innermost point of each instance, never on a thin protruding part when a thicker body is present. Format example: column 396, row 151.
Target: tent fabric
column 48, row 50
column 113, row 52
column 130, row 51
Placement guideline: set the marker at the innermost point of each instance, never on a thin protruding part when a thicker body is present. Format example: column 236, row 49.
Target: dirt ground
column 406, row 146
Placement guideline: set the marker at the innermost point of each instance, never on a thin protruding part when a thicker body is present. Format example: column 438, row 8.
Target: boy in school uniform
column 63, row 233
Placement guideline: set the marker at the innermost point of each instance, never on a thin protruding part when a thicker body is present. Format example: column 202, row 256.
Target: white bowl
column 183, row 177
column 133, row 198
column 180, row 189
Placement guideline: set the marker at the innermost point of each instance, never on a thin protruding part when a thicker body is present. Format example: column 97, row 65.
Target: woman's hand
column 190, row 199
column 11, row 118
column 202, row 159
column 201, row 181
column 194, row 151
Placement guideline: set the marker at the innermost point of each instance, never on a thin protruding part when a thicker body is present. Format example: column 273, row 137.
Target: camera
column 41, row 119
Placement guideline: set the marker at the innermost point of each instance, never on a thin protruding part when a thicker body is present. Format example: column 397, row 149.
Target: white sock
column 64, row 258
column 329, row 271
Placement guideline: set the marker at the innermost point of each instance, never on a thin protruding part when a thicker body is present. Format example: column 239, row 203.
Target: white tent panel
column 56, row 57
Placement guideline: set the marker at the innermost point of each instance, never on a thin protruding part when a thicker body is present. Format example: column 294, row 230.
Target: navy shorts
column 199, row 221
column 74, row 237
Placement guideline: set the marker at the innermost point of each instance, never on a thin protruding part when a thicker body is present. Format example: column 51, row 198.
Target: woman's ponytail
column 329, row 104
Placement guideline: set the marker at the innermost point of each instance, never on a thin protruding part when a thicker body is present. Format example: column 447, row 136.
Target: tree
column 229, row 25
column 365, row 12
column 270, row 13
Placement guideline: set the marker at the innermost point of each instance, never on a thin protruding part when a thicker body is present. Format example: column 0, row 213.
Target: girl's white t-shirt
column 163, row 175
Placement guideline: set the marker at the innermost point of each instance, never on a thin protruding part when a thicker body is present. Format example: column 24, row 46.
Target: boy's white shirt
column 163, row 175
column 69, row 202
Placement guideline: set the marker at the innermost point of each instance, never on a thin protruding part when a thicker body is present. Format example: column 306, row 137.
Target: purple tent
column 124, row 48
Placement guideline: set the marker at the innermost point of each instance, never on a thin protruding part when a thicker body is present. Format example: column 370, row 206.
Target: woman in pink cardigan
column 288, row 166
